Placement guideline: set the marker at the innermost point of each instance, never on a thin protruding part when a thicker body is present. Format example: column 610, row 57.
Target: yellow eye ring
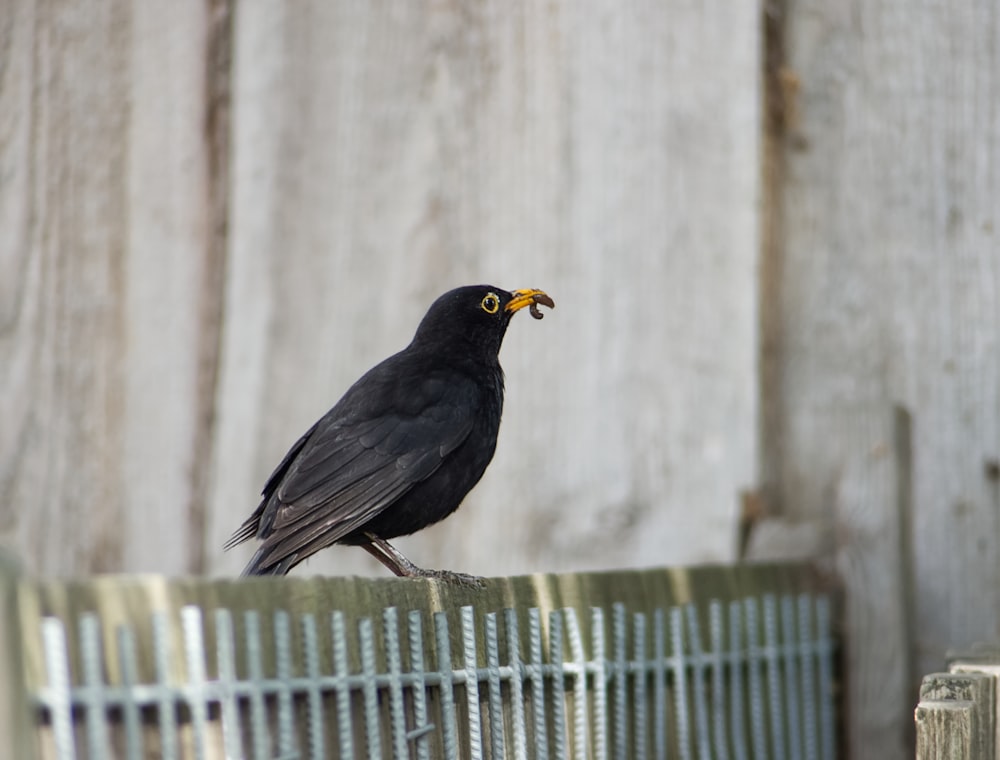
column 490, row 303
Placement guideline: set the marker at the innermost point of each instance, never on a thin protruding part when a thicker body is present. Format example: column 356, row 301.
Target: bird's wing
column 366, row 453
column 251, row 526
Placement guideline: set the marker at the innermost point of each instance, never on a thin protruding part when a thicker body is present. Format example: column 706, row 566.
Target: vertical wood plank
column 946, row 730
column 982, row 657
column 63, row 241
column 864, row 504
column 170, row 272
column 888, row 297
column 956, row 716
column 107, row 247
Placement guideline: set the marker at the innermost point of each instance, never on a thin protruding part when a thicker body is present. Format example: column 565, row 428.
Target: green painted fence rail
column 709, row 662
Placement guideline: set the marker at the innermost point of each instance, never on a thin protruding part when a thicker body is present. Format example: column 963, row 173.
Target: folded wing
column 351, row 466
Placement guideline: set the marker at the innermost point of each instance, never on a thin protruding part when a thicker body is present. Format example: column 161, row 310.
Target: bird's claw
column 448, row 576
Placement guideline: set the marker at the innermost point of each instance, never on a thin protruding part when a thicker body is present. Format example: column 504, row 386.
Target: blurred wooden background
column 770, row 229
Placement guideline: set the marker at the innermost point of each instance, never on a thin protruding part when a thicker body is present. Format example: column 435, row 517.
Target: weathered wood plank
column 106, row 245
column 170, row 287
column 956, row 716
column 981, row 657
column 887, row 282
column 946, row 731
column 63, row 242
column 863, row 539
column 384, row 152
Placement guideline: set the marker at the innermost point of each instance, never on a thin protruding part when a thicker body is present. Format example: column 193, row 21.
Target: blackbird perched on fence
column 403, row 446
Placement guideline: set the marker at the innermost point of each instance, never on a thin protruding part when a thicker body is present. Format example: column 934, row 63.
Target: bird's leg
column 393, row 559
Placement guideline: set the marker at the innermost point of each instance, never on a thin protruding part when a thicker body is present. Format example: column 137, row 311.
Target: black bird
column 403, row 446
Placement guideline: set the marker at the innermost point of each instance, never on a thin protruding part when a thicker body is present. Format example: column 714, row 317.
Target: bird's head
column 476, row 317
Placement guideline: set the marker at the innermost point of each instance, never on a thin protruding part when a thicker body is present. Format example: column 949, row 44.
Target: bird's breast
column 436, row 497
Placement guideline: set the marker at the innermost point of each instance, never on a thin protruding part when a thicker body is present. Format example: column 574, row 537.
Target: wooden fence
column 727, row 662
column 957, row 714
column 770, row 227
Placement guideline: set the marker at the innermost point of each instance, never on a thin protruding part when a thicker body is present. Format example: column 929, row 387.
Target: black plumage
column 403, row 446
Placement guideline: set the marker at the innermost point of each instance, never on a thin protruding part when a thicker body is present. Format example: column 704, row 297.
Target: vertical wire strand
column 639, row 723
column 166, row 709
column 255, row 672
column 517, row 673
column 283, row 663
column 773, row 678
column 717, row 658
column 495, row 698
column 59, row 680
column 600, row 666
column 659, row 685
column 418, row 690
column 130, row 680
column 557, row 662
column 471, row 682
column 342, row 684
column 397, row 716
column 807, row 670
column 738, row 669
column 194, row 655
column 93, row 681
column 225, row 644
column 698, row 681
column 789, row 641
column 680, row 683
column 537, row 683
column 369, row 690
column 579, row 684
column 442, row 642
column 754, row 654
column 314, row 697
column 619, row 709
column 828, row 739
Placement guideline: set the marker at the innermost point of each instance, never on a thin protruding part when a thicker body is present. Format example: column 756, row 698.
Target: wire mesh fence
column 746, row 678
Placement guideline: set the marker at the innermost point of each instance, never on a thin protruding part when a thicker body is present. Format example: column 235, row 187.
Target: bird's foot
column 393, row 559
column 447, row 576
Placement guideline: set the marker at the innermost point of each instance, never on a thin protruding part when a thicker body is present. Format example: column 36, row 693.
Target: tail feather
column 263, row 563
column 245, row 532
column 249, row 529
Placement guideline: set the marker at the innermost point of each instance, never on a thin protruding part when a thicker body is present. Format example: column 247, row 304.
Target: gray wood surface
column 106, row 246
column 65, row 241
column 887, row 277
column 956, row 716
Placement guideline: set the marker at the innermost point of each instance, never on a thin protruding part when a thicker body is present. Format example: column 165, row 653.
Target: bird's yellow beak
column 529, row 297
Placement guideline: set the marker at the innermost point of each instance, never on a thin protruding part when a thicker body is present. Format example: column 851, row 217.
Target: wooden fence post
column 955, row 717
column 16, row 735
column 984, row 658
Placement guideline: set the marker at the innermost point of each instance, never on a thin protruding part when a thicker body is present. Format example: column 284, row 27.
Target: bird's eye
column 490, row 303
